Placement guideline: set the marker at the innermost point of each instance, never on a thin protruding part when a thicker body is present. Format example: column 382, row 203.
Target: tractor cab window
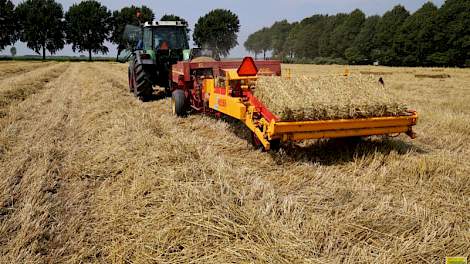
column 170, row 38
column 147, row 38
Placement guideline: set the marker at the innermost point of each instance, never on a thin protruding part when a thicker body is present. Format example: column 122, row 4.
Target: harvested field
column 89, row 174
column 328, row 97
column 8, row 69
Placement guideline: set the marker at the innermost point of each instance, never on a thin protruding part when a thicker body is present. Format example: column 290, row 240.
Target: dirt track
column 90, row 174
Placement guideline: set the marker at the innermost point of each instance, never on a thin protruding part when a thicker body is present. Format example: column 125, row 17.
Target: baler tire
column 178, row 103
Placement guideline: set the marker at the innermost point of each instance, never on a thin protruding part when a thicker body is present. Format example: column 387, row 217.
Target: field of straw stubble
column 90, row 174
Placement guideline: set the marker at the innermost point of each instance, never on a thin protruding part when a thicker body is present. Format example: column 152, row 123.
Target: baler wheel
column 178, row 103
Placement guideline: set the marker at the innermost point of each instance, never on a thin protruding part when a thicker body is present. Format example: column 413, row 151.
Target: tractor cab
column 166, row 38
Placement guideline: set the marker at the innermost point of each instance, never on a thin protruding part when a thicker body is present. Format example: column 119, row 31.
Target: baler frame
column 268, row 130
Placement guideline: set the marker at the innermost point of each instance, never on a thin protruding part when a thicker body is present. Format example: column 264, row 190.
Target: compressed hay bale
column 432, row 76
column 376, row 73
column 327, row 97
column 203, row 59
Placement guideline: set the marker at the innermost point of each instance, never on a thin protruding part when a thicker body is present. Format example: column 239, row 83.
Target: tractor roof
column 165, row 23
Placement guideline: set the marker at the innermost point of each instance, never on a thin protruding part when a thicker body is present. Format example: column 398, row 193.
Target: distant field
column 90, row 174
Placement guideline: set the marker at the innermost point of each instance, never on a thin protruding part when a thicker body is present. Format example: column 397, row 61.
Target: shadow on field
column 339, row 151
column 156, row 96
column 332, row 151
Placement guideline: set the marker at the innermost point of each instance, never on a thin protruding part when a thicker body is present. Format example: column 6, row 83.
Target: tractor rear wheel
column 142, row 85
column 178, row 103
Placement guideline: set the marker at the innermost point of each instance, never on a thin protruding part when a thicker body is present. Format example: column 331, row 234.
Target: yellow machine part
column 224, row 103
column 296, row 131
column 220, row 100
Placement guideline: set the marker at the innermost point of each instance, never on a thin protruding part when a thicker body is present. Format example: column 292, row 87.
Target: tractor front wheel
column 178, row 103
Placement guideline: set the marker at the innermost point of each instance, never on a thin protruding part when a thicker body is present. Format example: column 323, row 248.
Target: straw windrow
column 327, row 97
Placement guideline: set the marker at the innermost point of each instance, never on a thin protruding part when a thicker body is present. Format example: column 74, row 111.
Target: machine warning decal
column 222, row 102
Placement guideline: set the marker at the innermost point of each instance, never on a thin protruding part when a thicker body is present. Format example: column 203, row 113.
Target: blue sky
column 252, row 14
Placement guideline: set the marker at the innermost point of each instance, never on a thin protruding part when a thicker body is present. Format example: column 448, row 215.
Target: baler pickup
column 270, row 130
column 301, row 130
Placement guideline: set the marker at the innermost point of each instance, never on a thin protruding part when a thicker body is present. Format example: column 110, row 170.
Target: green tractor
column 160, row 44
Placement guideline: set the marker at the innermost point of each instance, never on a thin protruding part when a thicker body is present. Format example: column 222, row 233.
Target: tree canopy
column 414, row 40
column 131, row 15
column 251, row 44
column 8, row 24
column 217, row 31
column 42, row 27
column 362, row 46
column 454, row 33
column 431, row 36
column 172, row 17
column 88, row 27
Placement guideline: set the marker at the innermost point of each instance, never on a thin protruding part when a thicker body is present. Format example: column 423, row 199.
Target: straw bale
column 203, row 59
column 327, row 97
column 433, row 76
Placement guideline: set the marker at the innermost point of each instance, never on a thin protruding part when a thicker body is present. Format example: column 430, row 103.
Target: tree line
column 431, row 36
column 44, row 26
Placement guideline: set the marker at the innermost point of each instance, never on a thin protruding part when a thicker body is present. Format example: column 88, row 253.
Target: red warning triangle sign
column 248, row 67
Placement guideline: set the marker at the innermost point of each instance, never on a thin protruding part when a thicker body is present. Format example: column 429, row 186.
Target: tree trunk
column 44, row 52
column 264, row 54
column 117, row 56
column 89, row 55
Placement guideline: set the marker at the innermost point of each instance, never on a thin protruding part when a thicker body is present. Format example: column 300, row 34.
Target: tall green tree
column 252, row 45
column 217, row 31
column 88, row 27
column 414, row 42
column 303, row 38
column 279, row 33
column 453, row 37
column 385, row 36
column 131, row 15
column 327, row 44
column 291, row 41
column 42, row 26
column 263, row 40
column 8, row 24
column 363, row 46
column 344, row 34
